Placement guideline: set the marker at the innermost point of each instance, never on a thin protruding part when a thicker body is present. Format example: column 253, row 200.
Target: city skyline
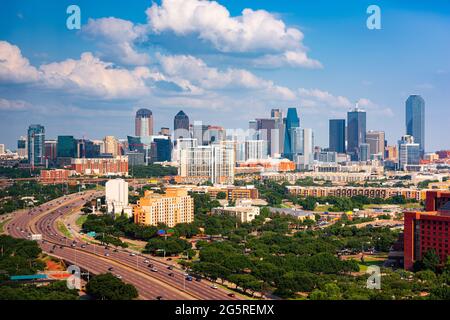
column 219, row 80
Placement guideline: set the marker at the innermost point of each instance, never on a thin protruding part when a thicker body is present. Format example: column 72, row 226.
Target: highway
column 132, row 268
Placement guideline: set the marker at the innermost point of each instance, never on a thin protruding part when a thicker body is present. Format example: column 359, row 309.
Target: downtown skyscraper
column 337, row 135
column 290, row 122
column 36, row 142
column 181, row 125
column 356, row 132
column 415, row 120
column 144, row 123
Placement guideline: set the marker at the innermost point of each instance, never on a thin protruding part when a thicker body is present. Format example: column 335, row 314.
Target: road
column 132, row 268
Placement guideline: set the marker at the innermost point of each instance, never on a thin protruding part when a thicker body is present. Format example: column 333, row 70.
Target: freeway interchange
column 152, row 278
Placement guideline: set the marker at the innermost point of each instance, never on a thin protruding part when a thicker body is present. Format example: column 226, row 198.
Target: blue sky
column 220, row 65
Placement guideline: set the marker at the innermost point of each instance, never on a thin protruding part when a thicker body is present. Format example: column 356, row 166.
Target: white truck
column 36, row 237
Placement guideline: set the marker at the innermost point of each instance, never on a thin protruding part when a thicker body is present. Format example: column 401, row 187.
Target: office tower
column 391, row 153
column 182, row 144
column 415, row 120
column 356, row 131
column 429, row 230
column 50, row 150
column 66, row 147
column 214, row 163
column 291, row 121
column 408, row 152
column 265, row 128
column 36, row 141
column 87, row 149
column 22, row 148
column 305, row 159
column 255, row 149
column 171, row 208
column 252, row 130
column 135, row 144
column 337, row 135
column 364, row 152
column 181, row 125
column 111, row 146
column 297, row 141
column 376, row 141
column 116, row 196
column 2, row 149
column 163, row 149
column 215, row 134
column 199, row 132
column 144, row 123
column 277, row 136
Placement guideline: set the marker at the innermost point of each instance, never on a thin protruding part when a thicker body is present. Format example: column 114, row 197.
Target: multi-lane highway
column 153, row 278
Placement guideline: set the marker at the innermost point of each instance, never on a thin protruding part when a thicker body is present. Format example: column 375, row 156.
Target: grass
column 322, row 208
column 2, row 224
column 63, row 229
column 81, row 219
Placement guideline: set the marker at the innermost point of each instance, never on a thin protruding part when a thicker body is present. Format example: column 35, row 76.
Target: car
column 169, row 259
column 83, row 246
column 107, row 254
column 213, row 286
column 51, row 251
column 150, row 265
column 74, row 245
column 132, row 254
column 154, row 270
column 170, row 267
column 110, row 269
column 159, row 298
column 189, row 278
column 118, row 276
column 198, row 279
column 61, row 247
column 171, row 274
column 115, row 250
column 146, row 261
column 231, row 295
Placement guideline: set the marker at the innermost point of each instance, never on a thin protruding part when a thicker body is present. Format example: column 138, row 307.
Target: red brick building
column 117, row 166
column 54, row 176
column 428, row 230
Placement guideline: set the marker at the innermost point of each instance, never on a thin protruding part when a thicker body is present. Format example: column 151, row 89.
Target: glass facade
column 356, row 132
column 66, row 147
column 415, row 120
column 337, row 135
column 36, row 142
column 291, row 121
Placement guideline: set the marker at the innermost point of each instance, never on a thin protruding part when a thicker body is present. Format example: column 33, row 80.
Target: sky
column 223, row 62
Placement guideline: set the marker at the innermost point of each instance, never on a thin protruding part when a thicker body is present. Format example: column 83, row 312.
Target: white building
column 214, row 163
column 304, row 144
column 117, row 197
column 243, row 210
column 408, row 152
column 2, row 149
column 255, row 149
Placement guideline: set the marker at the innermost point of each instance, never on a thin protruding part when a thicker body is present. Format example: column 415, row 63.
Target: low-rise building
column 117, row 166
column 54, row 176
column 243, row 210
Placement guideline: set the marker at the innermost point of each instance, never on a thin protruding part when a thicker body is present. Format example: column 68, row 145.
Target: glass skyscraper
column 415, row 120
column 337, row 135
column 290, row 122
column 36, row 143
column 66, row 147
column 181, row 125
column 356, row 132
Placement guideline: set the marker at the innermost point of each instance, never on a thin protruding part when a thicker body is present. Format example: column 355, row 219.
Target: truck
column 36, row 237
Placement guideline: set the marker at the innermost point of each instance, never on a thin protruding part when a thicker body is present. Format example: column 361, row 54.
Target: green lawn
column 81, row 219
column 322, row 208
column 63, row 229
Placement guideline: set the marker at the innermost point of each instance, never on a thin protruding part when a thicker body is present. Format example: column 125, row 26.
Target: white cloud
column 198, row 73
column 91, row 76
column 13, row 105
column 290, row 58
column 317, row 97
column 117, row 37
column 14, row 68
column 256, row 31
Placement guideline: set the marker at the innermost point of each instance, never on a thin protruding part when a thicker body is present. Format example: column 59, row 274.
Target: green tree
column 108, row 287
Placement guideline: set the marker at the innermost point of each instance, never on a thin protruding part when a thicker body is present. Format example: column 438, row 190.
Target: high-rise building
column 215, row 134
column 391, row 153
column 376, row 142
column 181, row 125
column 199, row 132
column 429, row 230
column 337, row 135
column 255, row 150
column 364, row 152
column 2, row 149
column 144, row 123
column 214, row 163
column 116, row 195
column 22, row 147
column 171, row 208
column 408, row 152
column 87, row 149
column 278, row 133
column 305, row 158
column 50, row 150
column 356, row 131
column 415, row 120
column 36, row 143
column 66, row 147
column 264, row 130
column 111, row 146
column 164, row 131
column 290, row 122
column 163, row 149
